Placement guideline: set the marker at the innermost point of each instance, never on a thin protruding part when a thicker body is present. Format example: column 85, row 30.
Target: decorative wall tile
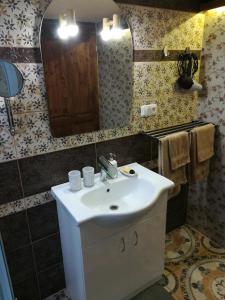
column 7, row 149
column 206, row 202
column 19, row 26
column 38, row 199
column 158, row 55
column 33, row 96
column 25, row 203
column 20, row 55
column 20, row 22
column 115, row 66
column 156, row 28
column 12, row 208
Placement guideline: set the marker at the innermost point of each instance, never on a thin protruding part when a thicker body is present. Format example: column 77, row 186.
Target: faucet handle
column 103, row 175
column 112, row 159
column 112, row 156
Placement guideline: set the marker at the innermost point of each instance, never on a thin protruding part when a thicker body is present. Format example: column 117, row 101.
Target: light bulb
column 66, row 31
column 63, row 32
column 116, row 33
column 106, row 34
column 72, row 30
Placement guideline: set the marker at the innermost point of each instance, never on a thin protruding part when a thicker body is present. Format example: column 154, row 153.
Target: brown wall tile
column 10, row 186
column 40, row 173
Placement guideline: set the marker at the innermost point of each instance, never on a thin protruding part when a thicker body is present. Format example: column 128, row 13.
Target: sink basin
column 117, row 199
column 124, row 194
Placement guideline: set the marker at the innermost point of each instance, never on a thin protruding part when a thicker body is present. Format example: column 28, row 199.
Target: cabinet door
column 106, row 269
column 146, row 243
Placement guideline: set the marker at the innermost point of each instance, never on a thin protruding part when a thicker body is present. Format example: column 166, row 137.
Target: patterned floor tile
column 194, row 267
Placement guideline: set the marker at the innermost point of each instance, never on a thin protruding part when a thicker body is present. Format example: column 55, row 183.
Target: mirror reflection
column 87, row 54
column 11, row 80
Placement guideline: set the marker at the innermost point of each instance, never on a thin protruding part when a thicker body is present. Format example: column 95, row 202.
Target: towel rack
column 160, row 133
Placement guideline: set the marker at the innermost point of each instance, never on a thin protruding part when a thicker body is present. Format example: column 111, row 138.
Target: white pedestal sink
column 113, row 235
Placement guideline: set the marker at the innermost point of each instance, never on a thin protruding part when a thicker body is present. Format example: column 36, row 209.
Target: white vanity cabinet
column 113, row 263
column 106, row 268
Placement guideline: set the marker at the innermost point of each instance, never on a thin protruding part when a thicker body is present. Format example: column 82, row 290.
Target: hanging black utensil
column 187, row 67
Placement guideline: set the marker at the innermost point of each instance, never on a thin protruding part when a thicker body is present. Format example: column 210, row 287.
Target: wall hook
column 166, row 52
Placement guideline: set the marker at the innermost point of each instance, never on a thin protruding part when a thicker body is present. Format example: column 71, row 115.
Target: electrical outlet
column 148, row 110
column 153, row 109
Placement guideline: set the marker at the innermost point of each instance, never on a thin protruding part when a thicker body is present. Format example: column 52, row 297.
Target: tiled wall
column 206, row 202
column 115, row 71
column 30, row 230
column 31, row 161
column 153, row 81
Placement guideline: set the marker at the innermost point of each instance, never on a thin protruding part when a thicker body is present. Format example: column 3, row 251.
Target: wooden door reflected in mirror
column 88, row 79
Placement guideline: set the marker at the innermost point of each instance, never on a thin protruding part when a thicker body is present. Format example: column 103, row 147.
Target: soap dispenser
column 112, row 159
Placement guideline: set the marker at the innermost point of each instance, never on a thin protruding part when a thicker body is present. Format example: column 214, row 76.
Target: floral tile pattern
column 7, row 148
column 206, row 204
column 195, row 266
column 20, row 22
column 115, row 65
column 154, row 28
column 25, row 203
column 153, row 82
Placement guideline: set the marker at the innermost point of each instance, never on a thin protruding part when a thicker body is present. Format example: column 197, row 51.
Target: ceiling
column 86, row 10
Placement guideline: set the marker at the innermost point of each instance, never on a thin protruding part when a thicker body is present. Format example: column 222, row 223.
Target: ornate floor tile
column 205, row 280
column 195, row 266
column 180, row 245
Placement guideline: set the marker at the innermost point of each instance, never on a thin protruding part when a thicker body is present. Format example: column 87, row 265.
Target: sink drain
column 114, row 207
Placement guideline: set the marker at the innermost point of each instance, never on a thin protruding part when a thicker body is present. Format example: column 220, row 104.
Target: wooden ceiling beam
column 182, row 5
column 212, row 4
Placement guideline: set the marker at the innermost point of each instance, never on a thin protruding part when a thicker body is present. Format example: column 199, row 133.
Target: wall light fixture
column 67, row 25
column 111, row 28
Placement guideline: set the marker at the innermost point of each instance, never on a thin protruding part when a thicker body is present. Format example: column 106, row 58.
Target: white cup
column 75, row 180
column 88, row 176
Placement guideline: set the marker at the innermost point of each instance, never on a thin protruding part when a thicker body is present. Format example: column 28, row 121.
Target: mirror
column 87, row 54
column 11, row 80
column 11, row 84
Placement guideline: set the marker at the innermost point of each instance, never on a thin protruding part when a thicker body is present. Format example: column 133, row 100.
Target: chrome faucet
column 107, row 169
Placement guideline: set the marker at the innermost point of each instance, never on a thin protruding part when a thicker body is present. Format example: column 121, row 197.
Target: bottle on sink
column 112, row 160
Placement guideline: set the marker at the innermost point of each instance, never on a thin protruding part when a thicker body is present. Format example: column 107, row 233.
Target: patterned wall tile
column 20, row 22
column 153, row 82
column 206, row 204
column 7, row 148
column 25, row 203
column 33, row 96
column 115, row 67
column 155, row 28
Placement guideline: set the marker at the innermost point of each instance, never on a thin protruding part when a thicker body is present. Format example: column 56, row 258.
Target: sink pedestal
column 113, row 254
column 113, row 262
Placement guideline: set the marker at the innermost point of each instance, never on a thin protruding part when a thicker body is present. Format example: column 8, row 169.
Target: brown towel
column 205, row 142
column 178, row 176
column 179, row 149
column 199, row 170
